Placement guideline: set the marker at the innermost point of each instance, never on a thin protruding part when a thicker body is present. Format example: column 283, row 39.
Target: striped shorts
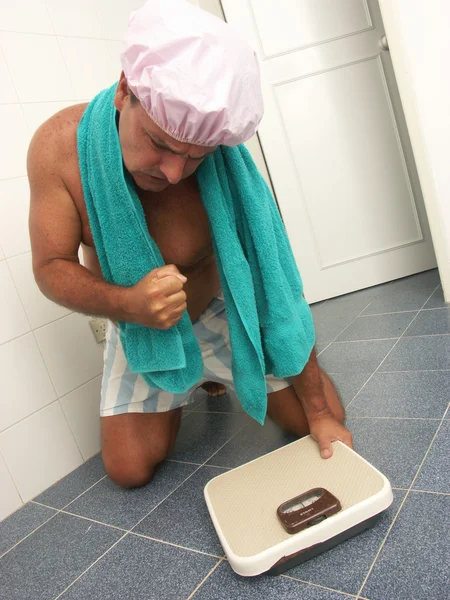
column 127, row 392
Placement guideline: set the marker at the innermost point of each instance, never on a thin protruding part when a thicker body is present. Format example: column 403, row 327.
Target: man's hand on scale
column 325, row 429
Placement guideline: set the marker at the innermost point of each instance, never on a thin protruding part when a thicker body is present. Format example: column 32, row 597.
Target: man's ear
column 122, row 92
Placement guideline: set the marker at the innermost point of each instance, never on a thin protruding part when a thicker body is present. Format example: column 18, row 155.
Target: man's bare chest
column 176, row 220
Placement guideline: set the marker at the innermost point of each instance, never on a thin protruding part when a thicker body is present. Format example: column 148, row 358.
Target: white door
column 336, row 143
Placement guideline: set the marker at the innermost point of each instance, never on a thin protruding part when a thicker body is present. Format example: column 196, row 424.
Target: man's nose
column 173, row 167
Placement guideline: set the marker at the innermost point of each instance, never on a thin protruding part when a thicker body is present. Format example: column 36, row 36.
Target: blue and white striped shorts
column 127, row 392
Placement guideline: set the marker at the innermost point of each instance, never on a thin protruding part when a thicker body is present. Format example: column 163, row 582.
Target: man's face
column 154, row 159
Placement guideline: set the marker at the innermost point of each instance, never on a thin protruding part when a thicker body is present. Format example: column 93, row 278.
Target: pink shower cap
column 192, row 73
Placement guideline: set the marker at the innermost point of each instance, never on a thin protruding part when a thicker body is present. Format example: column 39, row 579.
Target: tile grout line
column 381, row 363
column 318, row 585
column 148, row 537
column 90, row 566
column 192, row 594
column 409, row 489
column 427, row 335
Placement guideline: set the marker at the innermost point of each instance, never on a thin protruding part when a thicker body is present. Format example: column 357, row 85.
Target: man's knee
column 133, row 469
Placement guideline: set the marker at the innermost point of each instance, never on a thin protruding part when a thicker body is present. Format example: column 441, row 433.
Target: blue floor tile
column 252, row 442
column 394, row 446
column 355, row 357
column 349, row 384
column 430, row 322
column 108, row 503
column 224, row 584
column 74, row 484
column 414, row 562
column 392, row 301
column 345, row 567
column 44, row 564
column 202, row 434
column 25, row 520
column 411, row 394
column 350, row 305
column 328, row 328
column 427, row 279
column 435, row 472
column 183, row 518
column 227, row 403
column 377, row 327
column 140, row 569
column 436, row 300
column 419, row 354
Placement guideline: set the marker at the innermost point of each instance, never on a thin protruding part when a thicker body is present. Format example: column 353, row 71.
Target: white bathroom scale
column 288, row 506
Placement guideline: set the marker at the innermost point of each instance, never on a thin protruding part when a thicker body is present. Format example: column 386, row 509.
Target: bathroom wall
column 52, row 54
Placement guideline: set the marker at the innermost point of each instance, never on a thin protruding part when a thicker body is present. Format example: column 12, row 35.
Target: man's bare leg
column 285, row 408
column 214, row 388
column 134, row 444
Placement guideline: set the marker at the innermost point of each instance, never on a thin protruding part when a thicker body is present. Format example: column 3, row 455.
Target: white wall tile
column 14, row 208
column 25, row 15
column 115, row 21
column 115, row 48
column 89, row 64
column 82, row 410
column 38, row 113
column 39, row 451
column 70, row 351
column 2, row 254
column 13, row 321
column 39, row 309
column 7, row 92
column 37, row 67
column 9, row 498
column 14, row 129
column 25, row 386
column 75, row 18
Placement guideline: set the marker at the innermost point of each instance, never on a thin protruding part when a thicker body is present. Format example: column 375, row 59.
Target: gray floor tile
column 391, row 301
column 140, row 569
column 419, row 354
column 328, row 328
column 355, row 357
column 436, row 300
column 435, row 472
column 426, row 279
column 377, row 327
column 430, row 322
column 108, row 503
column 349, row 384
column 228, row 403
column 224, row 584
column 345, row 566
column 414, row 561
column 348, row 306
column 44, row 564
column 394, row 446
column 411, row 394
column 74, row 484
column 183, row 518
column 25, row 520
column 202, row 434
column 252, row 442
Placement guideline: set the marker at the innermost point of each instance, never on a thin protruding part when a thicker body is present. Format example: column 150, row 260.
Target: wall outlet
column 98, row 326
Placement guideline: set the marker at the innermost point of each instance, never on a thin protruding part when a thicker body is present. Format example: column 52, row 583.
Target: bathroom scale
column 290, row 505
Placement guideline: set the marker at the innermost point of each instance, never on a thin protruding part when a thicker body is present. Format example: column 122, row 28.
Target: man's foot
column 214, row 389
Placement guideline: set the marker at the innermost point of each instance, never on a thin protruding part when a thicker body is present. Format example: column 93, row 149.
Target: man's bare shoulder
column 54, row 145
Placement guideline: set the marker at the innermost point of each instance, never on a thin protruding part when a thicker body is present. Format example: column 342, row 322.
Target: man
column 168, row 123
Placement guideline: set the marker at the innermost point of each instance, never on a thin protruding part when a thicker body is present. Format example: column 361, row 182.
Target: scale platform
column 288, row 506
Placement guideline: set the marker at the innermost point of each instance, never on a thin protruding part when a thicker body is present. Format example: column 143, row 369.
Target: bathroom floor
column 388, row 349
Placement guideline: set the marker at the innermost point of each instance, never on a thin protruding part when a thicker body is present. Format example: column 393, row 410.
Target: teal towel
column 271, row 326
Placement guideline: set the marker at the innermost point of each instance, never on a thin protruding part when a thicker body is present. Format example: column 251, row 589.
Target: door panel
column 336, row 143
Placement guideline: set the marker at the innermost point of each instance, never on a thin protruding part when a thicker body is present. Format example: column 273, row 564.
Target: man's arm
column 323, row 426
column 156, row 301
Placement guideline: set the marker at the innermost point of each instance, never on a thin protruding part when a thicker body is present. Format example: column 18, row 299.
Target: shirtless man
column 136, row 440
